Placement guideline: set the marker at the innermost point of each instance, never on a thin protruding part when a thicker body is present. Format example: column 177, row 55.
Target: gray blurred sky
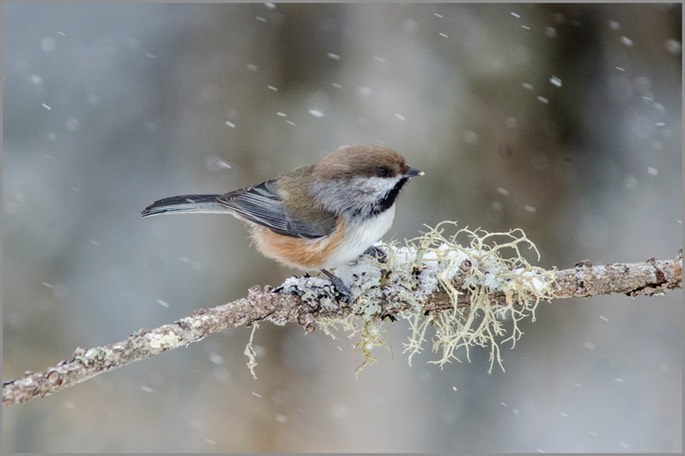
column 563, row 120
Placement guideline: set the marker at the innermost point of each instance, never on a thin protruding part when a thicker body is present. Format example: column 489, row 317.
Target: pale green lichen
column 250, row 352
column 163, row 341
column 483, row 270
column 485, row 264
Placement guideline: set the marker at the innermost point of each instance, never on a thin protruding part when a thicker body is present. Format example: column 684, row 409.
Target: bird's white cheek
column 359, row 236
column 371, row 189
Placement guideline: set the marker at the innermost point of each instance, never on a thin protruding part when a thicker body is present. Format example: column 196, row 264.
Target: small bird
column 318, row 216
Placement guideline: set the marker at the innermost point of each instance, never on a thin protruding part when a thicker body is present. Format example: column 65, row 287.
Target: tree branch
column 307, row 300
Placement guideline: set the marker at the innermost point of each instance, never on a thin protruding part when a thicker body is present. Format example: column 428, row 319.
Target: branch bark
column 633, row 279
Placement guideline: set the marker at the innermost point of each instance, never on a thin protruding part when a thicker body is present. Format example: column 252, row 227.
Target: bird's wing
column 262, row 204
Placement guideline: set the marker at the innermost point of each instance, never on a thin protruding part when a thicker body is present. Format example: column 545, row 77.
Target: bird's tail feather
column 185, row 204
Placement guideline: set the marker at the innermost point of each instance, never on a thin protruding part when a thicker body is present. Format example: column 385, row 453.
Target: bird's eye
column 383, row 171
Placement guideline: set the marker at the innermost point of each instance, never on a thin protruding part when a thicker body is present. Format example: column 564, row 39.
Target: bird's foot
column 377, row 253
column 342, row 289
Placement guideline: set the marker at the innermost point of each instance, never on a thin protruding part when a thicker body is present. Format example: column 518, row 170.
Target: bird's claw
column 342, row 289
column 377, row 253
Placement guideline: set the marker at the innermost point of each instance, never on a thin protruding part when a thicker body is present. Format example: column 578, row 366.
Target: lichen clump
column 501, row 286
column 471, row 287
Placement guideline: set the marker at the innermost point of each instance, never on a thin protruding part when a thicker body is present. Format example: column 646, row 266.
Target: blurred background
column 562, row 120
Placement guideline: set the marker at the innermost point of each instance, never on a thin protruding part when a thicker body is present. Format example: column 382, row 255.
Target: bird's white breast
column 359, row 236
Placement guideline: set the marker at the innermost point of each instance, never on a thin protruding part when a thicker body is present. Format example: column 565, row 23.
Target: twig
column 280, row 307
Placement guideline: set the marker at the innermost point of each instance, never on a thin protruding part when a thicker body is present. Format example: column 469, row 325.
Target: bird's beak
column 411, row 172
